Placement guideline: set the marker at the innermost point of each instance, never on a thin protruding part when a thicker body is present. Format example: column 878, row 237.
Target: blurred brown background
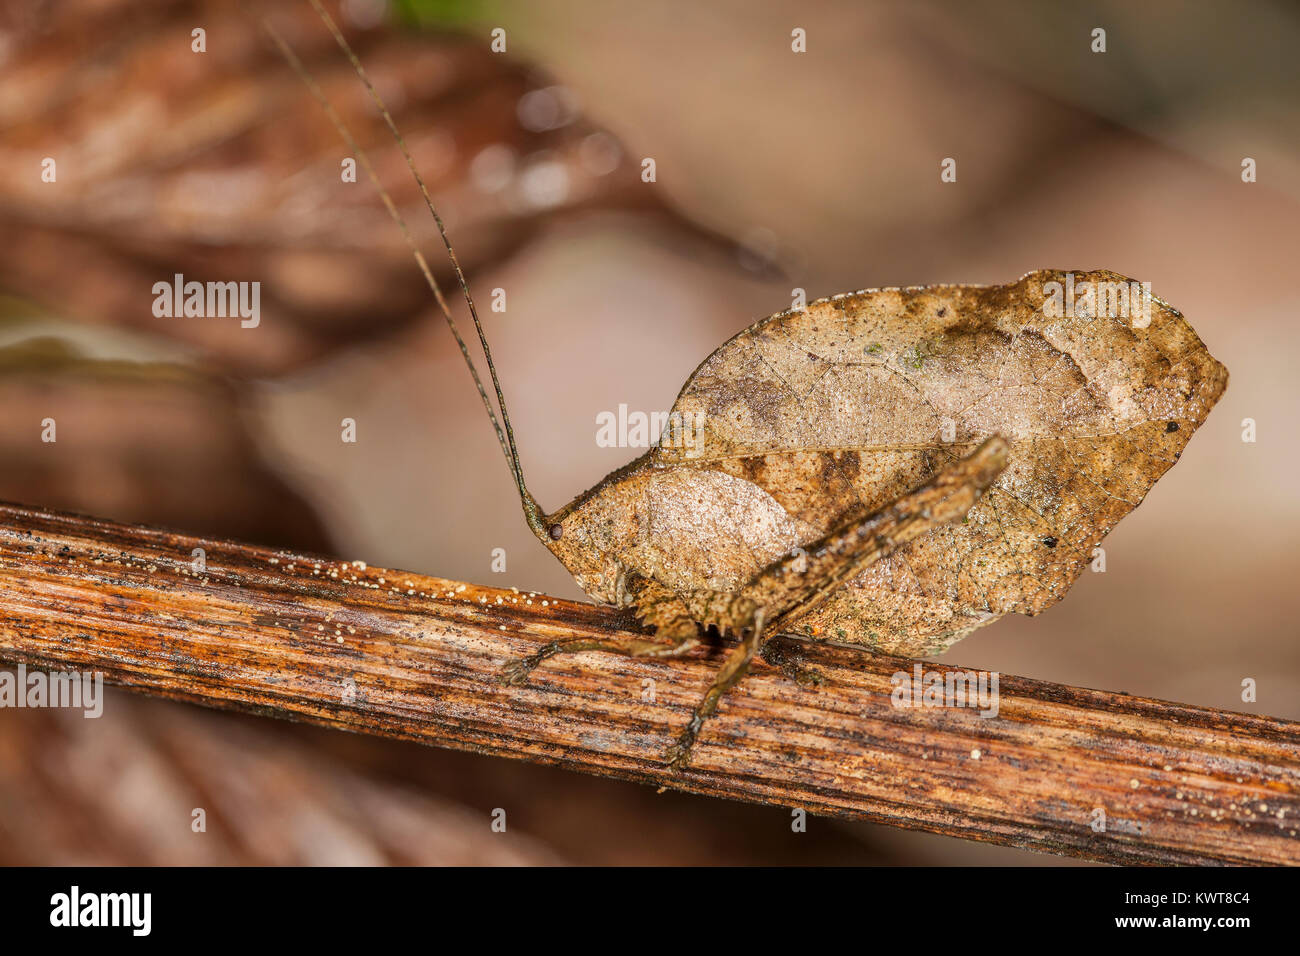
column 775, row 170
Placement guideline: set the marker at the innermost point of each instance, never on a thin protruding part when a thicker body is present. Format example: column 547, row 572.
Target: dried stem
column 402, row 655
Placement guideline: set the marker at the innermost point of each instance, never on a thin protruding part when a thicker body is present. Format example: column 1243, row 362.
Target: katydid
column 891, row 468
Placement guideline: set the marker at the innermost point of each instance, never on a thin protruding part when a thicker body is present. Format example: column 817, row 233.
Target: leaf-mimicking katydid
column 891, row 468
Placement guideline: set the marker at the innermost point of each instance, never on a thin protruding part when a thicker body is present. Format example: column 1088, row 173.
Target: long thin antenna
column 505, row 438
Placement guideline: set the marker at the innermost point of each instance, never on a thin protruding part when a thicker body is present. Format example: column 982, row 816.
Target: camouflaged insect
column 890, row 468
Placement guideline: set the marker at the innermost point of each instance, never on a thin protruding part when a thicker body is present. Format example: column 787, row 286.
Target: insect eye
column 556, row 531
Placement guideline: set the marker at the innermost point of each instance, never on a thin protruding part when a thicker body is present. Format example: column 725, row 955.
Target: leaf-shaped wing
column 858, row 398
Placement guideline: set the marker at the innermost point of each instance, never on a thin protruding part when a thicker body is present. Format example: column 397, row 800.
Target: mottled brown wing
column 860, row 397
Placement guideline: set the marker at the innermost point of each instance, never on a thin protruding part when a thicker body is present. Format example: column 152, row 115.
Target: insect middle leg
column 733, row 669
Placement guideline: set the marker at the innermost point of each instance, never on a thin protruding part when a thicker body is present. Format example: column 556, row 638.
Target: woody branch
column 1060, row 769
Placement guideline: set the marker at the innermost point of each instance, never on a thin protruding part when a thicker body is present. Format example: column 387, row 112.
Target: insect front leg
column 517, row 671
column 675, row 629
